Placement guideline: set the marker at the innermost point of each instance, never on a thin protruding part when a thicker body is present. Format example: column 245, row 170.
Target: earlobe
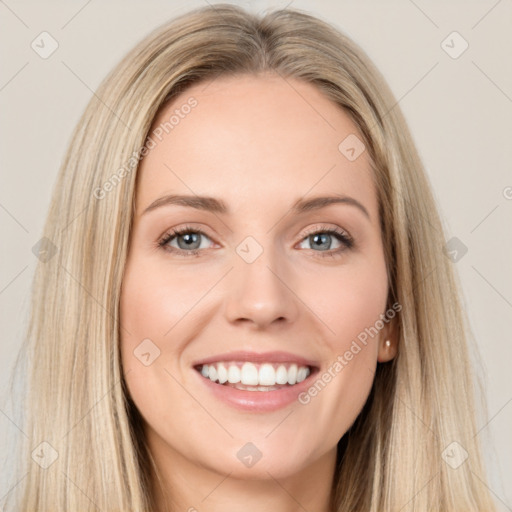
column 387, row 350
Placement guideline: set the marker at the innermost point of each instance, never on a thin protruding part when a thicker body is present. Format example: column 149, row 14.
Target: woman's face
column 261, row 284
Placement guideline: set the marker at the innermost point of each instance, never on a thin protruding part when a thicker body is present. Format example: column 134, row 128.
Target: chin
column 269, row 469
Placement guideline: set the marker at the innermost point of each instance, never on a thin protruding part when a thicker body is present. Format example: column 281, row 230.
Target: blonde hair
column 391, row 458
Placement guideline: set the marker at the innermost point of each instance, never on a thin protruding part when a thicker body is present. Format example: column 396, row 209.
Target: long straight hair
column 394, row 457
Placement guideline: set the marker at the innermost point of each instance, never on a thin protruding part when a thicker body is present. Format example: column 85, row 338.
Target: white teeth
column 282, row 375
column 267, row 375
column 301, row 374
column 233, row 374
column 222, row 373
column 292, row 374
column 212, row 373
column 263, row 377
column 249, row 375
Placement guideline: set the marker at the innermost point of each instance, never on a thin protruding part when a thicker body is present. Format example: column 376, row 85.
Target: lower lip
column 257, row 401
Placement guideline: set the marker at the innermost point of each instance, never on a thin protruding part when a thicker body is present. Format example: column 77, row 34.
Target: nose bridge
column 259, row 291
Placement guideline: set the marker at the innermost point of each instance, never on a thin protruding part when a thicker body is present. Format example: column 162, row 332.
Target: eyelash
column 341, row 235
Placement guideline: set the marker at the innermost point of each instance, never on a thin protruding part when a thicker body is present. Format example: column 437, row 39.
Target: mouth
column 256, row 382
column 248, row 376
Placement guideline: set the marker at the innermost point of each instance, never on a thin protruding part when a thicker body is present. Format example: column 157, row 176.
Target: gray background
column 458, row 109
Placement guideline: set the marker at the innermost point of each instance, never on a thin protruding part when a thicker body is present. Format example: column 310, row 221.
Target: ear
column 388, row 343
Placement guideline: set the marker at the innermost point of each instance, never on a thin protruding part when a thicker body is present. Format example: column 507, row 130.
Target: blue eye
column 322, row 239
column 189, row 241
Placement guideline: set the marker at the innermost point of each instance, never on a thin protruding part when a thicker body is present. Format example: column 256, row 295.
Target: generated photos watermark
column 152, row 140
column 343, row 359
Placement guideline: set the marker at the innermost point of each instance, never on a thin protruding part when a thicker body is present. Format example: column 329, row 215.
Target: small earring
column 388, row 343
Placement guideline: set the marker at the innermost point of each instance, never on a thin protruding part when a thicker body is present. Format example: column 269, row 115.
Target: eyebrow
column 214, row 205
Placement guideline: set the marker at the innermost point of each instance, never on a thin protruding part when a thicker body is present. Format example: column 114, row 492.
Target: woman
column 192, row 348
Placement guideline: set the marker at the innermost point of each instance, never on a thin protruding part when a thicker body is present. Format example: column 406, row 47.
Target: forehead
column 254, row 141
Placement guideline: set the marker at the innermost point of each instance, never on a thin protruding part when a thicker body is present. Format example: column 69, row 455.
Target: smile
column 256, row 383
column 255, row 376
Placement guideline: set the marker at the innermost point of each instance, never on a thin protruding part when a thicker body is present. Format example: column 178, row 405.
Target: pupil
column 189, row 238
column 323, row 237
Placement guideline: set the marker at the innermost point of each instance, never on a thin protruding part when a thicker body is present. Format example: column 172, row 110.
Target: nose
column 260, row 293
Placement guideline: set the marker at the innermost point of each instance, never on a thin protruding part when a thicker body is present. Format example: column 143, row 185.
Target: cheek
column 349, row 306
column 349, row 302
column 160, row 312
column 151, row 305
column 154, row 300
column 148, row 309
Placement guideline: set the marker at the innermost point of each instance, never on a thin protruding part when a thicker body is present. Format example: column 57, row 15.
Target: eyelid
column 323, row 228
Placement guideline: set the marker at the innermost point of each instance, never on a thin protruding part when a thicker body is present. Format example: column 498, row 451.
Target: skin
column 259, row 145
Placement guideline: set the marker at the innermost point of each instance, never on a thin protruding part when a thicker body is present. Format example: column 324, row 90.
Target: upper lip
column 259, row 357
